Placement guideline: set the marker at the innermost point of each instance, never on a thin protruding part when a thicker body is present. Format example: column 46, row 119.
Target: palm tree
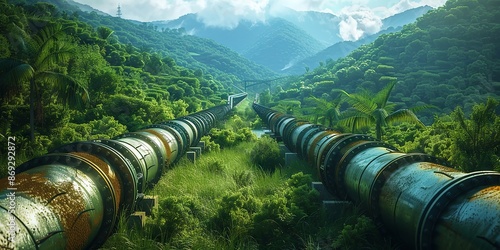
column 330, row 111
column 44, row 53
column 374, row 109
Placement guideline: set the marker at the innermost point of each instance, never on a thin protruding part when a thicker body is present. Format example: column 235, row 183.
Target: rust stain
column 166, row 145
column 109, row 174
column 67, row 205
column 436, row 167
column 489, row 194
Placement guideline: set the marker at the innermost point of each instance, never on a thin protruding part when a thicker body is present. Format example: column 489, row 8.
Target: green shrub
column 224, row 137
column 266, row 154
column 243, row 178
column 210, row 146
column 178, row 218
column 235, row 213
column 216, row 166
column 362, row 235
column 246, row 134
column 273, row 225
column 284, row 220
column 301, row 194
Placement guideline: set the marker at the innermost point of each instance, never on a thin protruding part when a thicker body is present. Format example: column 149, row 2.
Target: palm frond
column 362, row 103
column 67, row 89
column 21, row 42
column 356, row 122
column 404, row 115
column 55, row 52
column 422, row 107
column 359, row 101
column 380, row 116
column 382, row 96
column 49, row 33
column 13, row 73
column 343, row 92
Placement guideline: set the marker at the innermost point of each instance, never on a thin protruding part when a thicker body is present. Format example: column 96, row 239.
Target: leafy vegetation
column 450, row 57
column 374, row 109
column 235, row 204
column 266, row 154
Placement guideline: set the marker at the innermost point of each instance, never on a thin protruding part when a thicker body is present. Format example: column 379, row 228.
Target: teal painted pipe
column 416, row 197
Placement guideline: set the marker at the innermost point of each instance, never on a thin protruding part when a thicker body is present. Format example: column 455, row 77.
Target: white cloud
column 228, row 13
column 357, row 21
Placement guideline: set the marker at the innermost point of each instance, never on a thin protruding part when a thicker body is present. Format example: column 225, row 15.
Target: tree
column 44, row 52
column 374, row 109
column 477, row 140
column 330, row 111
column 104, row 32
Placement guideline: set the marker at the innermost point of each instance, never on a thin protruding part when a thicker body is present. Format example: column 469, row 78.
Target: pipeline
column 72, row 197
column 416, row 197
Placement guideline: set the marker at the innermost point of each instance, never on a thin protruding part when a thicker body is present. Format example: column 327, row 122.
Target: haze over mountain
column 343, row 48
column 282, row 42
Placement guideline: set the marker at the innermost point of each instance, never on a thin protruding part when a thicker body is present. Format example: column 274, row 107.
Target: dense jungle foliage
column 188, row 51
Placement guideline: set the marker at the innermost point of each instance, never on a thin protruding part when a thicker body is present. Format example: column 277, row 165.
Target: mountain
column 324, row 27
column 343, row 48
column 406, row 17
column 290, row 40
column 275, row 43
column 281, row 45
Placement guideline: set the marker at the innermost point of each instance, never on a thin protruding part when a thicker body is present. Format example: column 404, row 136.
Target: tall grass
column 225, row 189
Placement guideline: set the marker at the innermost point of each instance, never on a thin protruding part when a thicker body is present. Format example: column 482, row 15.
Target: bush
column 301, row 194
column 216, row 167
column 266, row 154
column 210, row 146
column 178, row 216
column 273, row 225
column 243, row 178
column 362, row 235
column 284, row 220
column 235, row 213
column 229, row 138
column 224, row 137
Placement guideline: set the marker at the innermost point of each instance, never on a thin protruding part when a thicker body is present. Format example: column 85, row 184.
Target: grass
column 213, row 176
column 196, row 192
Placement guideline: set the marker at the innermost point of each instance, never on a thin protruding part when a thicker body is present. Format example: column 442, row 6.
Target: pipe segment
column 417, row 197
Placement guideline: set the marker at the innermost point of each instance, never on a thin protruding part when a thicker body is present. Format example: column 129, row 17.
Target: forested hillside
column 188, row 51
column 62, row 80
column 450, row 57
column 281, row 46
column 288, row 41
column 275, row 43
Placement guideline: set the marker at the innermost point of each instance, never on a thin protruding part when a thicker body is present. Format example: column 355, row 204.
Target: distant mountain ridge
column 290, row 42
column 343, row 48
column 273, row 44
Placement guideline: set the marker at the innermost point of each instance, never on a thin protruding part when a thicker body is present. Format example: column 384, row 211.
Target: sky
column 358, row 16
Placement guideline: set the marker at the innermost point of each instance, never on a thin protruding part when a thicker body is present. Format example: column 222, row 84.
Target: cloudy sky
column 359, row 16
